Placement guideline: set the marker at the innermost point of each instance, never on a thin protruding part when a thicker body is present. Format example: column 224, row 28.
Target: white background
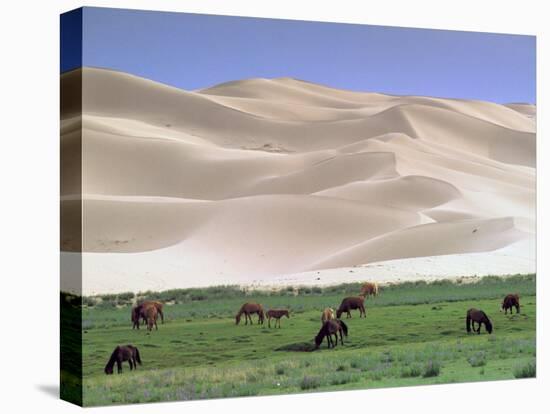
column 29, row 212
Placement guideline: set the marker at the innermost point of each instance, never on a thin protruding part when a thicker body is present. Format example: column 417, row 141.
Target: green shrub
column 432, row 369
column 478, row 359
column 528, row 370
column 309, row 383
column 341, row 379
column 280, row 370
column 414, row 370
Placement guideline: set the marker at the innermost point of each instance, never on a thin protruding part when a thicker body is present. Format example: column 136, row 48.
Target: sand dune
column 260, row 180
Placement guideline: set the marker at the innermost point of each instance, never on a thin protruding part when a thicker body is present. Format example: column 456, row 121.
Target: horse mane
column 112, row 359
column 322, row 333
column 468, row 319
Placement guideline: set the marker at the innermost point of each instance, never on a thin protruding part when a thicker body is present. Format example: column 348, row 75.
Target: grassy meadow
column 414, row 334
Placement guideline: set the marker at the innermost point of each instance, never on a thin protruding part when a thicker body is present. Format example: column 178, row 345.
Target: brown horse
column 277, row 314
column 510, row 301
column 123, row 353
column 151, row 314
column 329, row 328
column 138, row 312
column 475, row 315
column 351, row 303
column 327, row 315
column 249, row 309
column 369, row 289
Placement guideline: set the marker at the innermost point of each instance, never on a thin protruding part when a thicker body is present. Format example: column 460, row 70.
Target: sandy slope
column 257, row 180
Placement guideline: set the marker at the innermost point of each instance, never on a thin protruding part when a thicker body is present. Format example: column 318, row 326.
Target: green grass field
column 414, row 334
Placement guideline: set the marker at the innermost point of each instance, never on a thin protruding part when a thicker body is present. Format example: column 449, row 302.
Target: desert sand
column 282, row 181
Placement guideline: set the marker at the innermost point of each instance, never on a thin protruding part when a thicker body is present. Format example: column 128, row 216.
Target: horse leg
column 131, row 365
column 269, row 322
column 119, row 366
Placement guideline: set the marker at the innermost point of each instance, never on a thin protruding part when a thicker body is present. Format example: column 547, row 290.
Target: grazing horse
column 277, row 314
column 351, row 303
column 327, row 315
column 138, row 312
column 249, row 309
column 476, row 315
column 123, row 353
column 151, row 314
column 329, row 328
column 369, row 289
column 510, row 302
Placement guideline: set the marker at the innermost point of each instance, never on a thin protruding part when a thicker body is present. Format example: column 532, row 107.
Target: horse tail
column 344, row 327
column 468, row 319
column 159, row 307
column 138, row 359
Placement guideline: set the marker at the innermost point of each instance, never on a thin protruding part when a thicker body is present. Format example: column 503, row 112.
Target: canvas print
column 256, row 206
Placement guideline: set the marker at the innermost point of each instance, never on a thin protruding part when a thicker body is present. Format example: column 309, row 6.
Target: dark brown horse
column 351, row 303
column 277, row 314
column 138, row 312
column 329, row 328
column 123, row 353
column 510, row 301
column 476, row 315
column 369, row 289
column 250, row 309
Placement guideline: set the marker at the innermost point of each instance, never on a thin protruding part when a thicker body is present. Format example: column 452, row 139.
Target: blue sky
column 193, row 51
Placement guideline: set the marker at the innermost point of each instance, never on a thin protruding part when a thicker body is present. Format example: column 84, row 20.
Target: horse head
column 237, row 318
column 318, row 340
